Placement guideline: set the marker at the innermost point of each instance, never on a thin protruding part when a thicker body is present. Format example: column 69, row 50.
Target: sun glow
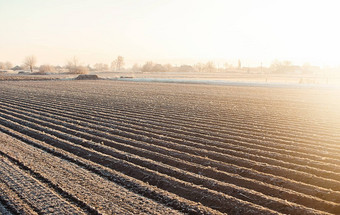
column 96, row 31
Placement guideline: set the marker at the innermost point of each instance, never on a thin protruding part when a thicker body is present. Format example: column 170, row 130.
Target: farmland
column 111, row 147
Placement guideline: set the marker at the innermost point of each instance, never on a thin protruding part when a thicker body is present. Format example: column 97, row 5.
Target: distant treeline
column 74, row 67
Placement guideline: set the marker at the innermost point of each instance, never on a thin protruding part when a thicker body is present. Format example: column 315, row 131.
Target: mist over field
column 169, row 107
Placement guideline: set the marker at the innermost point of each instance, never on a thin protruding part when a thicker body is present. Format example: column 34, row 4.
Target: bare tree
column 227, row 66
column 239, row 65
column 210, row 67
column 72, row 64
column 44, row 69
column 136, row 68
column 30, row 62
column 199, row 67
column 148, row 66
column 82, row 70
column 168, row 67
column 117, row 64
column 114, row 65
column 120, row 62
column 2, row 65
column 101, row 67
column 158, row 68
column 6, row 65
column 281, row 67
column 75, row 68
column 185, row 68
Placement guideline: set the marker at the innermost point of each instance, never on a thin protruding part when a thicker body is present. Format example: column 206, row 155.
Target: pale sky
column 174, row 31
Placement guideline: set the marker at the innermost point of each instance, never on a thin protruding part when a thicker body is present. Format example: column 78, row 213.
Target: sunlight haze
column 170, row 31
column 169, row 107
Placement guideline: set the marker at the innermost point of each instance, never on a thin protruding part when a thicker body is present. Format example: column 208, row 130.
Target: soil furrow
column 296, row 175
column 192, row 192
column 197, row 118
column 173, row 162
column 230, row 190
column 194, row 148
column 40, row 197
column 297, row 158
column 130, row 183
column 249, row 142
column 13, row 202
column 105, row 196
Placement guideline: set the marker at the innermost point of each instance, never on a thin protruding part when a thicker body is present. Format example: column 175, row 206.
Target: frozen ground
column 114, row 147
column 217, row 78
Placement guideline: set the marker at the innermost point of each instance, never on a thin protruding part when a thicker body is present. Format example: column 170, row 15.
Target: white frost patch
column 229, row 83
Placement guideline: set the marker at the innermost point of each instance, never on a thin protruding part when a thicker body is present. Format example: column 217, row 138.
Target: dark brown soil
column 87, row 77
column 182, row 148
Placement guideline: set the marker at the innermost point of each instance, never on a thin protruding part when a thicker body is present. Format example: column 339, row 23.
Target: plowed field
column 110, row 147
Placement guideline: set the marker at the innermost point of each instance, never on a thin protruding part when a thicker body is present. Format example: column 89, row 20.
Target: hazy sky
column 172, row 31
